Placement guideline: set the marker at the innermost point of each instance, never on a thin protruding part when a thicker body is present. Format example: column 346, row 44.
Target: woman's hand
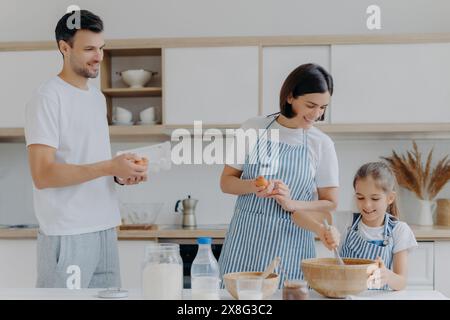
column 378, row 276
column 282, row 195
column 264, row 191
column 333, row 237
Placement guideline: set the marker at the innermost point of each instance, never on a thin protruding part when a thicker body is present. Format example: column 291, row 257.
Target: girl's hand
column 282, row 195
column 379, row 276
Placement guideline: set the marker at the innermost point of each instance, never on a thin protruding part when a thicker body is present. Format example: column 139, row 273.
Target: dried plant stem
column 412, row 175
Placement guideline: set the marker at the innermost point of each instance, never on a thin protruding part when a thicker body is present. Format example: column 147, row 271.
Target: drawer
column 421, row 266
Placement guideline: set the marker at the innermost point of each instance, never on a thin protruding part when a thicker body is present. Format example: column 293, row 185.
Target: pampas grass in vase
column 420, row 179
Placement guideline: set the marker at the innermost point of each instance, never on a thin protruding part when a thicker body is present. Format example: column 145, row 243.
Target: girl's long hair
column 383, row 177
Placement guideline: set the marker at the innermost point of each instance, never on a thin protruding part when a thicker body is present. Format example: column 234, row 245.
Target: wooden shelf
column 129, row 133
column 12, row 135
column 125, row 47
column 133, row 92
column 385, row 128
column 134, row 52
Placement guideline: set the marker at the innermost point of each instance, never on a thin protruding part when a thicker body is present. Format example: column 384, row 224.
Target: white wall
column 199, row 181
column 23, row 20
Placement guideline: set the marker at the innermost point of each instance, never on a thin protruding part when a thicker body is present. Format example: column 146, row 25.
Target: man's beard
column 84, row 72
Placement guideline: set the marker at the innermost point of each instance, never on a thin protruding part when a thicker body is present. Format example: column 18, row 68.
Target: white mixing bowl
column 137, row 78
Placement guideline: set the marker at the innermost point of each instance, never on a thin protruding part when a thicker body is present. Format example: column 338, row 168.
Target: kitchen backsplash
column 199, row 181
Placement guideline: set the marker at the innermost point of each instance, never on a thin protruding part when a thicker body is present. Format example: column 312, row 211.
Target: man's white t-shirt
column 402, row 235
column 74, row 122
column 321, row 149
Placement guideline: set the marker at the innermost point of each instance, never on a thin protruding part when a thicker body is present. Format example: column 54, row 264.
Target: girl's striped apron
column 260, row 229
column 355, row 246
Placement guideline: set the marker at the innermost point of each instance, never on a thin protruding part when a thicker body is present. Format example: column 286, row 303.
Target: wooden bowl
column 270, row 284
column 332, row 280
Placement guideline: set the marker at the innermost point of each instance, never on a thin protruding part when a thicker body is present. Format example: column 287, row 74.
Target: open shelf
column 133, row 92
column 129, row 57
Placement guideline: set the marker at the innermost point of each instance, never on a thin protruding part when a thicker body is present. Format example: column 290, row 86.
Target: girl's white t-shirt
column 402, row 235
column 74, row 122
column 320, row 149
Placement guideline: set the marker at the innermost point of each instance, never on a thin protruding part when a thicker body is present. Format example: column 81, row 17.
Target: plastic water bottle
column 205, row 274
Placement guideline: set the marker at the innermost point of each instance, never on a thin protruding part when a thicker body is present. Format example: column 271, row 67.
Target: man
column 69, row 153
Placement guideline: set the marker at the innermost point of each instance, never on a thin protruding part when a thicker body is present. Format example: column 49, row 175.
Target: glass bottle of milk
column 205, row 274
column 162, row 273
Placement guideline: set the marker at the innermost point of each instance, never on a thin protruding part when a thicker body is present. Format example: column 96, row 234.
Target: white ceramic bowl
column 140, row 213
column 137, row 78
column 147, row 115
column 122, row 115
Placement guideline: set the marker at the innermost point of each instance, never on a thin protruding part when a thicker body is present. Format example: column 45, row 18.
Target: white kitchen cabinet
column 442, row 267
column 23, row 72
column 217, row 85
column 131, row 255
column 18, row 262
column 428, row 265
column 278, row 62
column 391, row 83
column 421, row 267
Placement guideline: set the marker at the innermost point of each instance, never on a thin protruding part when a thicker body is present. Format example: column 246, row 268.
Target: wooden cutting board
column 138, row 227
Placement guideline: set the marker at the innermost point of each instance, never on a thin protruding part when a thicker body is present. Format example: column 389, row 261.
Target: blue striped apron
column 355, row 246
column 261, row 229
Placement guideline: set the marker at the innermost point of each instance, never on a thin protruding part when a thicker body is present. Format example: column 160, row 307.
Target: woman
column 305, row 179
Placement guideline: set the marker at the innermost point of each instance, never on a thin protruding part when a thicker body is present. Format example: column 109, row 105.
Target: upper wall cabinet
column 391, row 83
column 278, row 62
column 217, row 85
column 23, row 73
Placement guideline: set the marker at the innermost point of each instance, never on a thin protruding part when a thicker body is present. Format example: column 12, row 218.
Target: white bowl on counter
column 137, row 78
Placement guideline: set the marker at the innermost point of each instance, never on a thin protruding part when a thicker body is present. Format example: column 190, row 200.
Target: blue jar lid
column 204, row 240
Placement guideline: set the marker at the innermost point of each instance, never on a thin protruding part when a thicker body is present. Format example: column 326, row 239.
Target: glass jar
column 295, row 290
column 162, row 272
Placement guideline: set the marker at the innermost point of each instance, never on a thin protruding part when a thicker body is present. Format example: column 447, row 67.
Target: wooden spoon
column 271, row 267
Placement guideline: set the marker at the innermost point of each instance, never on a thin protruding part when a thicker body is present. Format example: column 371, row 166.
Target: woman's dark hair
column 307, row 78
column 71, row 22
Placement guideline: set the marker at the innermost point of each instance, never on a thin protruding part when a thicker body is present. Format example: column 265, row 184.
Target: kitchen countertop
column 135, row 294
column 217, row 231
column 162, row 231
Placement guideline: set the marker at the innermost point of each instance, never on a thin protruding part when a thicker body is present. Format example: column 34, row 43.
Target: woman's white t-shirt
column 320, row 149
column 73, row 121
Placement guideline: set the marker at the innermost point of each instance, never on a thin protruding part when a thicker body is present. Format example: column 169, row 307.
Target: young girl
column 375, row 232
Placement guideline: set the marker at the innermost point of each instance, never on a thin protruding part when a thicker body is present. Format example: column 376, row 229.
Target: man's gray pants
column 95, row 255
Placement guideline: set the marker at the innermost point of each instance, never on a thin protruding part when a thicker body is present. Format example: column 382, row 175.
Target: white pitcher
column 425, row 212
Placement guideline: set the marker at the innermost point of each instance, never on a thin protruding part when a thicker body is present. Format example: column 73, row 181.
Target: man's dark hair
column 66, row 27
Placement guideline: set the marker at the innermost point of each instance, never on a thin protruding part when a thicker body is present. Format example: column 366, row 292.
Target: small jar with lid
column 295, row 290
column 162, row 272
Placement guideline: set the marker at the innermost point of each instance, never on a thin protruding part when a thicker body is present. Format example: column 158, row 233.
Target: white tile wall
column 199, row 181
